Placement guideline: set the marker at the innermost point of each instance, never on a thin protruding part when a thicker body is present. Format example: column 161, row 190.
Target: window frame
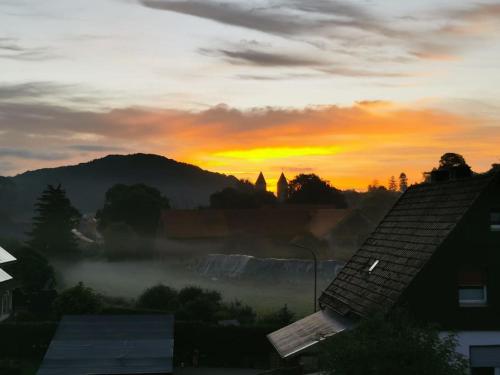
column 473, row 302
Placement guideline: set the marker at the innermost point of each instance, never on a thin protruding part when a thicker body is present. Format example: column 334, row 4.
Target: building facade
column 6, row 286
column 436, row 254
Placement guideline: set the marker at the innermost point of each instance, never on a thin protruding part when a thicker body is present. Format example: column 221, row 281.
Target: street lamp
column 315, row 269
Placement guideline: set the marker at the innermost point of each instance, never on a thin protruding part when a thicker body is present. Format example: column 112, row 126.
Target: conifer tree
column 392, row 184
column 403, row 182
column 54, row 220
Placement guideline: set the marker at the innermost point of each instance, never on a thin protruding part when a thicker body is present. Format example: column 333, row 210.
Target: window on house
column 495, row 221
column 472, row 290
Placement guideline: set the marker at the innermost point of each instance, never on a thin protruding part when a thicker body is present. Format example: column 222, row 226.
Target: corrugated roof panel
column 306, row 332
column 121, row 344
column 5, row 257
column 4, row 276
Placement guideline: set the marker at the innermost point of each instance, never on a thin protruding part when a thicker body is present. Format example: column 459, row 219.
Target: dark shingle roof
column 403, row 242
column 121, row 344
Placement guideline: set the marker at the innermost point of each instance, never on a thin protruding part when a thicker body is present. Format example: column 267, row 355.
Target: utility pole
column 315, row 271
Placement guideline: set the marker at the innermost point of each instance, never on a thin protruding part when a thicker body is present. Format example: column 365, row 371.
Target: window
column 5, row 303
column 472, row 290
column 495, row 221
column 472, row 294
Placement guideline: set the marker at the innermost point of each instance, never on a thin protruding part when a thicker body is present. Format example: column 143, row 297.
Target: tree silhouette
column 451, row 166
column 243, row 196
column 159, row 297
column 392, row 186
column 392, row 346
column 452, row 160
column 77, row 300
column 53, row 223
column 375, row 186
column 281, row 317
column 138, row 206
column 311, row 189
column 403, row 182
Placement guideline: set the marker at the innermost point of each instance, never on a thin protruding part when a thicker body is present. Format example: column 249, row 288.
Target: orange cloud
column 350, row 146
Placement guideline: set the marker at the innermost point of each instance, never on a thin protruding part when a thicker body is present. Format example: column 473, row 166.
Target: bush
column 196, row 304
column 77, row 300
column 244, row 314
column 392, row 345
column 159, row 297
column 281, row 318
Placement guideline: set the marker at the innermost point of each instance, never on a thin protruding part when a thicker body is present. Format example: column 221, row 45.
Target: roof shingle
column 403, row 243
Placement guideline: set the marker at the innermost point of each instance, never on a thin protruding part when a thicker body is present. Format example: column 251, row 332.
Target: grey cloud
column 37, row 54
column 95, row 148
column 278, row 77
column 261, row 58
column 317, row 17
column 233, row 15
column 31, row 155
column 350, row 72
column 12, row 50
column 8, row 44
column 31, row 90
column 474, row 12
column 326, row 23
column 271, row 59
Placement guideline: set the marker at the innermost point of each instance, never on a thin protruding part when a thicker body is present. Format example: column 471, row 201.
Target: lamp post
column 315, row 270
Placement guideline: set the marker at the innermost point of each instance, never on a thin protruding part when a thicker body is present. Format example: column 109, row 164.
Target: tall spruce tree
column 403, row 182
column 55, row 217
column 392, row 186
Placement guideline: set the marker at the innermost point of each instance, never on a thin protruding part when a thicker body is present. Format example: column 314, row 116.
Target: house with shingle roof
column 6, row 285
column 437, row 254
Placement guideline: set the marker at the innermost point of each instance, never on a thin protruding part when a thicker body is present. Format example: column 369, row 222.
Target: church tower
column 261, row 184
column 282, row 188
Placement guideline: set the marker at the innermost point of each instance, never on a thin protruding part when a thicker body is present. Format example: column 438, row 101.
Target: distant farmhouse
column 436, row 253
column 6, row 286
column 112, row 344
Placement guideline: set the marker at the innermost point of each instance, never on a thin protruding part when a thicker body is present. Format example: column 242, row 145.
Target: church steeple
column 282, row 188
column 261, row 184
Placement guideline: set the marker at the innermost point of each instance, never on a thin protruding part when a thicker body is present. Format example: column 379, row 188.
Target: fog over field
column 265, row 291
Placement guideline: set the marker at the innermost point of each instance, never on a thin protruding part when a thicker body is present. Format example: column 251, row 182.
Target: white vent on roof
column 373, row 266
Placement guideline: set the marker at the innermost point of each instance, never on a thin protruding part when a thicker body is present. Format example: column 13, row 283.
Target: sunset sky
column 350, row 90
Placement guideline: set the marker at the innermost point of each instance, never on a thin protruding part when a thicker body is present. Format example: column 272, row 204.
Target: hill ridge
column 186, row 185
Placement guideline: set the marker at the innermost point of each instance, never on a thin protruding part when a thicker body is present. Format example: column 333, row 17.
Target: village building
column 282, row 189
column 111, row 344
column 6, row 286
column 436, row 254
column 261, row 183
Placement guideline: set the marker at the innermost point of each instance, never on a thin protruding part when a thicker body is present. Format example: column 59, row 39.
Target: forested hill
column 185, row 185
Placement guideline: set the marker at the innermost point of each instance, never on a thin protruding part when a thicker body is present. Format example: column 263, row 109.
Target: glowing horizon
column 351, row 91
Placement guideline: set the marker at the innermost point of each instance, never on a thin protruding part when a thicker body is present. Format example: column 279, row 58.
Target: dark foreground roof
column 125, row 344
column 403, row 243
column 5, row 279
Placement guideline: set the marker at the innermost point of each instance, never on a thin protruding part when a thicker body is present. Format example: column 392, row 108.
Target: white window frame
column 473, row 302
